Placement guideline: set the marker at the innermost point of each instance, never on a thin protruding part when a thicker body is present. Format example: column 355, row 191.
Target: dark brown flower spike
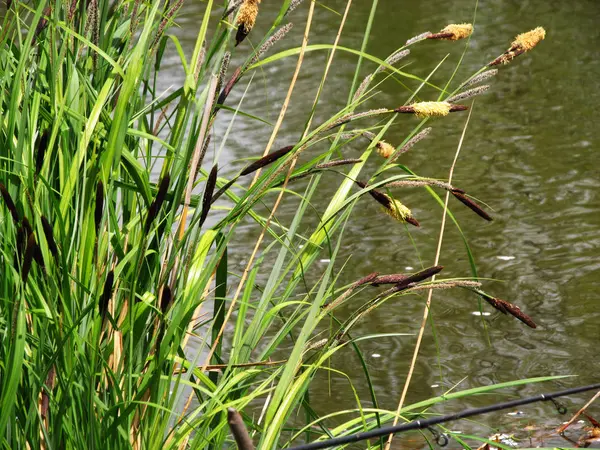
column 99, row 205
column 49, row 236
column 9, row 203
column 163, row 187
column 460, row 195
column 224, row 189
column 365, row 280
column 389, row 279
column 41, row 151
column 42, row 24
column 266, row 160
column 107, row 292
column 507, row 308
column 28, row 258
column 229, row 86
column 165, row 301
column 239, row 431
column 23, row 233
column 406, row 282
column 48, row 386
column 383, row 199
column 392, row 207
column 417, row 277
column 209, row 189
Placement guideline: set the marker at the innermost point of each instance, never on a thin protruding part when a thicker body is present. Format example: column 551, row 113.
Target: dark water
column 530, row 153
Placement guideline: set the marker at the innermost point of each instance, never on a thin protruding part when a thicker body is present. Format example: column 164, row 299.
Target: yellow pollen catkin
column 248, row 13
column 398, row 211
column 526, row 41
column 384, row 149
column 431, row 109
column 458, row 31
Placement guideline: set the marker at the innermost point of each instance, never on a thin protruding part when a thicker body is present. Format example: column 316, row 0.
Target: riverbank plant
column 123, row 324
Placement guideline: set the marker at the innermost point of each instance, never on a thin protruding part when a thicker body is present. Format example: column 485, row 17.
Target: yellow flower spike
column 400, row 212
column 431, row 109
column 457, row 31
column 246, row 19
column 526, row 41
column 384, row 149
column 522, row 43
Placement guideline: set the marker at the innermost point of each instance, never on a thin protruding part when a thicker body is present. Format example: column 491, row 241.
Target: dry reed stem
column 562, row 428
column 430, row 294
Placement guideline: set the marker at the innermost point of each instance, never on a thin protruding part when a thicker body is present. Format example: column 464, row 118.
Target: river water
column 530, row 153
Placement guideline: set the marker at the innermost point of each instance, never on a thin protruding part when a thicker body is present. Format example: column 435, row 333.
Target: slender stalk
column 436, row 260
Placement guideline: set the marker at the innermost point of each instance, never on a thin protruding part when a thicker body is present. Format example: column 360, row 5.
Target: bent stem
column 430, row 293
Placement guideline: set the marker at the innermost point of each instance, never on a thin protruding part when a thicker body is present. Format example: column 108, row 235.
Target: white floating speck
column 505, row 258
column 326, row 260
column 435, row 385
column 301, row 246
column 479, row 313
column 408, row 268
column 376, row 355
column 516, row 413
column 581, row 421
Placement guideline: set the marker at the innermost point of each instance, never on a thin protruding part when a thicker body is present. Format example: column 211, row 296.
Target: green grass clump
column 110, row 274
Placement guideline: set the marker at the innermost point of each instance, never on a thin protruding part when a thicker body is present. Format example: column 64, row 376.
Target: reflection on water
column 530, row 153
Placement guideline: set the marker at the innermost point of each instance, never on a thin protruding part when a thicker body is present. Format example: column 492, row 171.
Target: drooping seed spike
column 42, row 149
column 224, row 189
column 107, row 292
column 165, row 301
column 28, row 258
column 418, row 277
column 48, row 386
column 49, row 236
column 471, row 204
column 382, row 198
column 394, row 278
column 229, row 86
column 267, row 159
column 99, row 205
column 209, row 190
column 154, row 209
column 507, row 308
column 10, row 205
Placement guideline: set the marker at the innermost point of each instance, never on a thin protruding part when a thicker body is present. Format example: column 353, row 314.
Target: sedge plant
column 122, row 323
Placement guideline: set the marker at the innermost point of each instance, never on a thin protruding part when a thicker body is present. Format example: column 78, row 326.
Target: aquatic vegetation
column 124, row 322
